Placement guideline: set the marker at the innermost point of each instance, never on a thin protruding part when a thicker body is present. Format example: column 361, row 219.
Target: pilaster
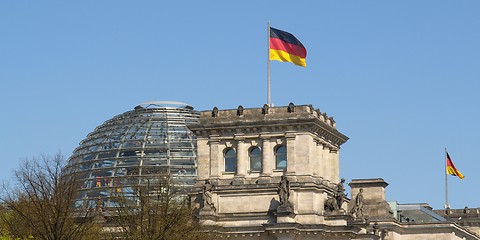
column 318, row 162
column 242, row 155
column 267, row 157
column 216, row 158
column 291, row 152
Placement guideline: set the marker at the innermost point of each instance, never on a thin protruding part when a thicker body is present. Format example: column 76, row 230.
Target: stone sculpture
column 357, row 210
column 340, row 193
column 207, row 195
column 284, row 191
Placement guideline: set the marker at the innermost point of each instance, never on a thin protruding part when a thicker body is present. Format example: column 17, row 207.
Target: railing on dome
column 164, row 104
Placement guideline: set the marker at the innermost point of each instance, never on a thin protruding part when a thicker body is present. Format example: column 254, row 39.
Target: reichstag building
column 254, row 173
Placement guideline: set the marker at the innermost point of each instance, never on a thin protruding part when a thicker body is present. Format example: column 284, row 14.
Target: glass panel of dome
column 128, row 153
column 132, row 143
column 93, row 148
column 154, row 162
column 87, row 184
column 120, row 172
column 88, row 157
column 85, row 166
column 101, row 173
column 181, row 162
column 128, row 162
column 133, row 171
column 153, row 152
column 106, row 163
column 108, row 154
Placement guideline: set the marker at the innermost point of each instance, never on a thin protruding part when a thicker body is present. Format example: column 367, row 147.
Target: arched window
column 230, row 160
column 255, row 159
column 281, row 158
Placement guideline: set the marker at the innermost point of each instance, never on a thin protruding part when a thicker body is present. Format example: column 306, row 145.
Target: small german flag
column 285, row 47
column 451, row 169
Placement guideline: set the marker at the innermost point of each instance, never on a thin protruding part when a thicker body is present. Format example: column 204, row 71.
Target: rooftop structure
column 133, row 149
column 273, row 173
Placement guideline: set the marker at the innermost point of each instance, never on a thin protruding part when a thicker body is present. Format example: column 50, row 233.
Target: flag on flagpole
column 285, row 47
column 451, row 169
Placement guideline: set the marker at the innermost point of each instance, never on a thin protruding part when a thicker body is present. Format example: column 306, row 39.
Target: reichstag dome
column 133, row 148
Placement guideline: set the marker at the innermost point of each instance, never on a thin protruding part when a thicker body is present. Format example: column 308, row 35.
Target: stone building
column 273, row 173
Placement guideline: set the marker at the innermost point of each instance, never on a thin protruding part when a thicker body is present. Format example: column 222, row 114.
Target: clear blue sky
column 401, row 78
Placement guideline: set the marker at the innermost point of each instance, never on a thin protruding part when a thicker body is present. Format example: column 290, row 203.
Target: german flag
column 451, row 169
column 285, row 47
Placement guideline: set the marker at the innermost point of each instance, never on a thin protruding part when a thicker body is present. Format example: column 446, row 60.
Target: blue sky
column 401, row 78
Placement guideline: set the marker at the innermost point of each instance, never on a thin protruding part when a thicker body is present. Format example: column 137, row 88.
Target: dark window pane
column 230, row 161
column 281, row 158
column 255, row 159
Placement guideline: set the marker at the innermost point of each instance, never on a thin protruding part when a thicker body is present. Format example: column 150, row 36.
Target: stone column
column 335, row 163
column 242, row 158
column 267, row 157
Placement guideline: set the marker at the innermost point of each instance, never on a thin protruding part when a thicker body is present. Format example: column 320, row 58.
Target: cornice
column 253, row 122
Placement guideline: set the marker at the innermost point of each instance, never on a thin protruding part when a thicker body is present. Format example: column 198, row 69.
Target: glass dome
column 134, row 148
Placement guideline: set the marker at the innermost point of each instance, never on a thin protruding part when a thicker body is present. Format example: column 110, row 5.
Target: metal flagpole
column 268, row 66
column 447, row 206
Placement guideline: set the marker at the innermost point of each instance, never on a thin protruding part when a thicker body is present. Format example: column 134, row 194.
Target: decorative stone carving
column 330, row 205
column 357, row 210
column 240, row 110
column 207, row 195
column 310, row 108
column 324, row 116
column 265, row 109
column 284, row 191
column 291, row 108
column 384, row 234
column 340, row 193
column 215, row 112
column 332, row 122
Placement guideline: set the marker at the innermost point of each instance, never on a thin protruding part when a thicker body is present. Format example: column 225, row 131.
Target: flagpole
column 447, row 206
column 268, row 66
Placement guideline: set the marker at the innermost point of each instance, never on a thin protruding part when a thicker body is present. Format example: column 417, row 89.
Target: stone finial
column 332, row 122
column 215, row 112
column 331, row 119
column 324, row 117
column 240, row 110
column 291, row 107
column 265, row 109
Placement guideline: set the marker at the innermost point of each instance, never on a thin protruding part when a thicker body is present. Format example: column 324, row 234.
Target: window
column 281, row 158
column 255, row 159
column 230, row 160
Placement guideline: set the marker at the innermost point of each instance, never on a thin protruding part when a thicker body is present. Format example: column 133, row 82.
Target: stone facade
column 466, row 217
column 273, row 173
